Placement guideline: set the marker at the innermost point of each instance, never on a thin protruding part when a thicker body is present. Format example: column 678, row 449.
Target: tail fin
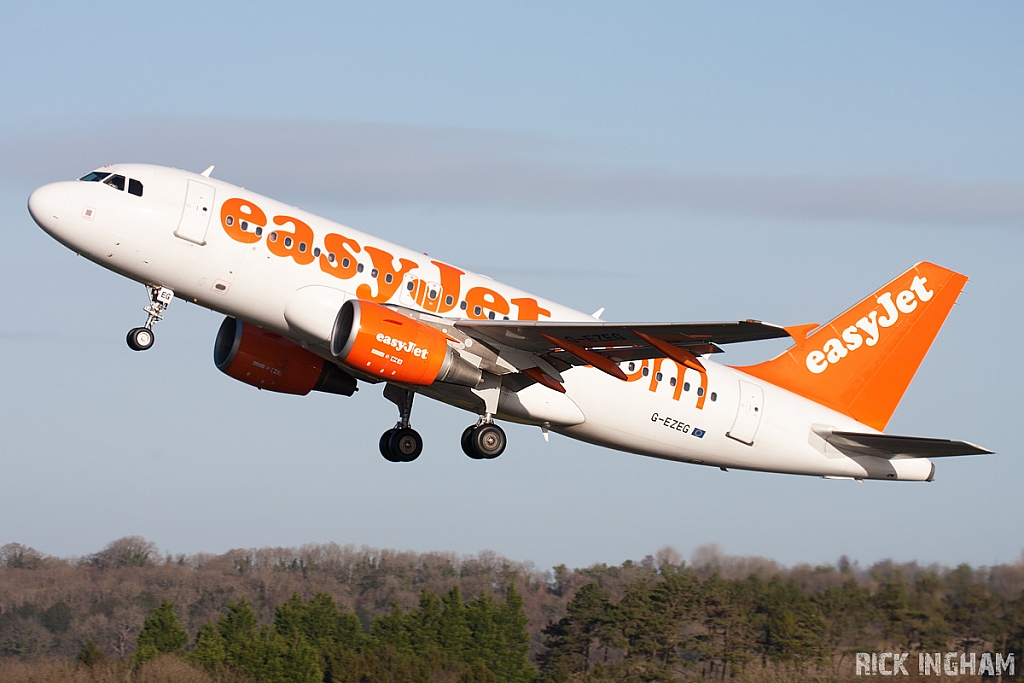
column 861, row 363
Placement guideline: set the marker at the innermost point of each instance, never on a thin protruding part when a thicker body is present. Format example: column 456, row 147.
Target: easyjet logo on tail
column 870, row 328
column 861, row 362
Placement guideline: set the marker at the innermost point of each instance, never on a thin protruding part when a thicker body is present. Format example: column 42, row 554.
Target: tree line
column 332, row 613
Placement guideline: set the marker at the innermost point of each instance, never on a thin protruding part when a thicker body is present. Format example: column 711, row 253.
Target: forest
column 340, row 613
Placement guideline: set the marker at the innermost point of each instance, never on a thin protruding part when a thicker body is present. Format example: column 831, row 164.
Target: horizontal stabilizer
column 891, row 445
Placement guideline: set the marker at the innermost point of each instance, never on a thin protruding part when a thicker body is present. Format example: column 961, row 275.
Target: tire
column 488, row 441
column 467, row 442
column 385, row 448
column 405, row 444
column 140, row 338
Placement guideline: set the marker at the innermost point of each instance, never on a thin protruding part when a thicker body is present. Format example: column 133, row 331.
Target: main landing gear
column 484, row 440
column 402, row 443
column 141, row 338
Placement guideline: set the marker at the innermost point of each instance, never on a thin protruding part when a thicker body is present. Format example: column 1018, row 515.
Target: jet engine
column 383, row 343
column 269, row 361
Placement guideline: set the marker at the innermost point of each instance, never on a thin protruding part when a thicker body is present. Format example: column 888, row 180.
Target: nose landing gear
column 402, row 443
column 141, row 338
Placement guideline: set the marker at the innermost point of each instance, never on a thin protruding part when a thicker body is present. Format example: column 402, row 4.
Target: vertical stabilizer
column 861, row 363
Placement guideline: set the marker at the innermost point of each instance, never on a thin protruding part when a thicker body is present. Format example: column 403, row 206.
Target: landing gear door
column 748, row 415
column 195, row 217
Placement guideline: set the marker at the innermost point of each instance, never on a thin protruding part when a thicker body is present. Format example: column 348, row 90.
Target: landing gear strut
column 484, row 440
column 402, row 443
column 141, row 338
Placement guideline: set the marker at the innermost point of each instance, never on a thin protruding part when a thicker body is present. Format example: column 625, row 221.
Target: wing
column 890, row 445
column 618, row 341
column 554, row 346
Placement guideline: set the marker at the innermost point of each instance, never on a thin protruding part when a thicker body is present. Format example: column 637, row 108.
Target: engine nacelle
column 383, row 343
column 269, row 361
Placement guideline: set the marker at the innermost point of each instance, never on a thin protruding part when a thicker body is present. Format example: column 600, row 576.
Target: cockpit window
column 95, row 176
column 134, row 187
column 116, row 182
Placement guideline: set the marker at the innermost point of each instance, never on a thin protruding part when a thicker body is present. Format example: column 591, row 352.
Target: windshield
column 95, row 176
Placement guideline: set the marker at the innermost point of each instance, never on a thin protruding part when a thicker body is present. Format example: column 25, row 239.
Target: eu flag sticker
column 699, row 433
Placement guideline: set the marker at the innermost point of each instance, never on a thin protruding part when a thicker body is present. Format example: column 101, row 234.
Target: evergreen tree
column 570, row 639
column 391, row 629
column 731, row 624
column 792, row 625
column 424, row 625
column 211, row 649
column 512, row 661
column 161, row 633
column 500, row 639
column 90, row 654
column 272, row 658
column 477, row 672
column 454, row 635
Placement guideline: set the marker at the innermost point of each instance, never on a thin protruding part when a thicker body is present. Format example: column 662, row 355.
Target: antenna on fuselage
column 207, row 172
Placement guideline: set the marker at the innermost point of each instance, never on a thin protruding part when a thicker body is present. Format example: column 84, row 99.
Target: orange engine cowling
column 383, row 343
column 269, row 361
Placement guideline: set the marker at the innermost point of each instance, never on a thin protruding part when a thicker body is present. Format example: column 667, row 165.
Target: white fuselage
column 732, row 421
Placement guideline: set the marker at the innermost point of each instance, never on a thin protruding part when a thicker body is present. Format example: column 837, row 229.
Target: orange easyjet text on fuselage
column 244, row 221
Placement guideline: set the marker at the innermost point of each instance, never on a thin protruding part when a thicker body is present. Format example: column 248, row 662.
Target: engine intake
column 269, row 361
column 384, row 343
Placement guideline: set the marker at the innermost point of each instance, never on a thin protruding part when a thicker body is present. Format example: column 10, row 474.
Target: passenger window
column 116, row 182
column 94, row 177
column 134, row 187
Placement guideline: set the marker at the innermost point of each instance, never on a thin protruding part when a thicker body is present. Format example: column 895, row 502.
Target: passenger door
column 195, row 216
column 748, row 415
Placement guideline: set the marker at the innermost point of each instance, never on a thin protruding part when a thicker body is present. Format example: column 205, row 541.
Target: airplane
column 313, row 305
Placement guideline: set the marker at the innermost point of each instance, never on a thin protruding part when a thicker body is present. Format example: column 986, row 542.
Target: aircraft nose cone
column 46, row 205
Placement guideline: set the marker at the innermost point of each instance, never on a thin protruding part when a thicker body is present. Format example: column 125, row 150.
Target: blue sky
column 669, row 161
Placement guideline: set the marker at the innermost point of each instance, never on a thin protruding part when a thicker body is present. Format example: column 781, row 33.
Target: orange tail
column 861, row 363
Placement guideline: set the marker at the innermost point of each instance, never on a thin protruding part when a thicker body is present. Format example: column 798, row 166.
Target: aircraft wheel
column 405, row 444
column 486, row 441
column 385, row 446
column 467, row 442
column 140, row 338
